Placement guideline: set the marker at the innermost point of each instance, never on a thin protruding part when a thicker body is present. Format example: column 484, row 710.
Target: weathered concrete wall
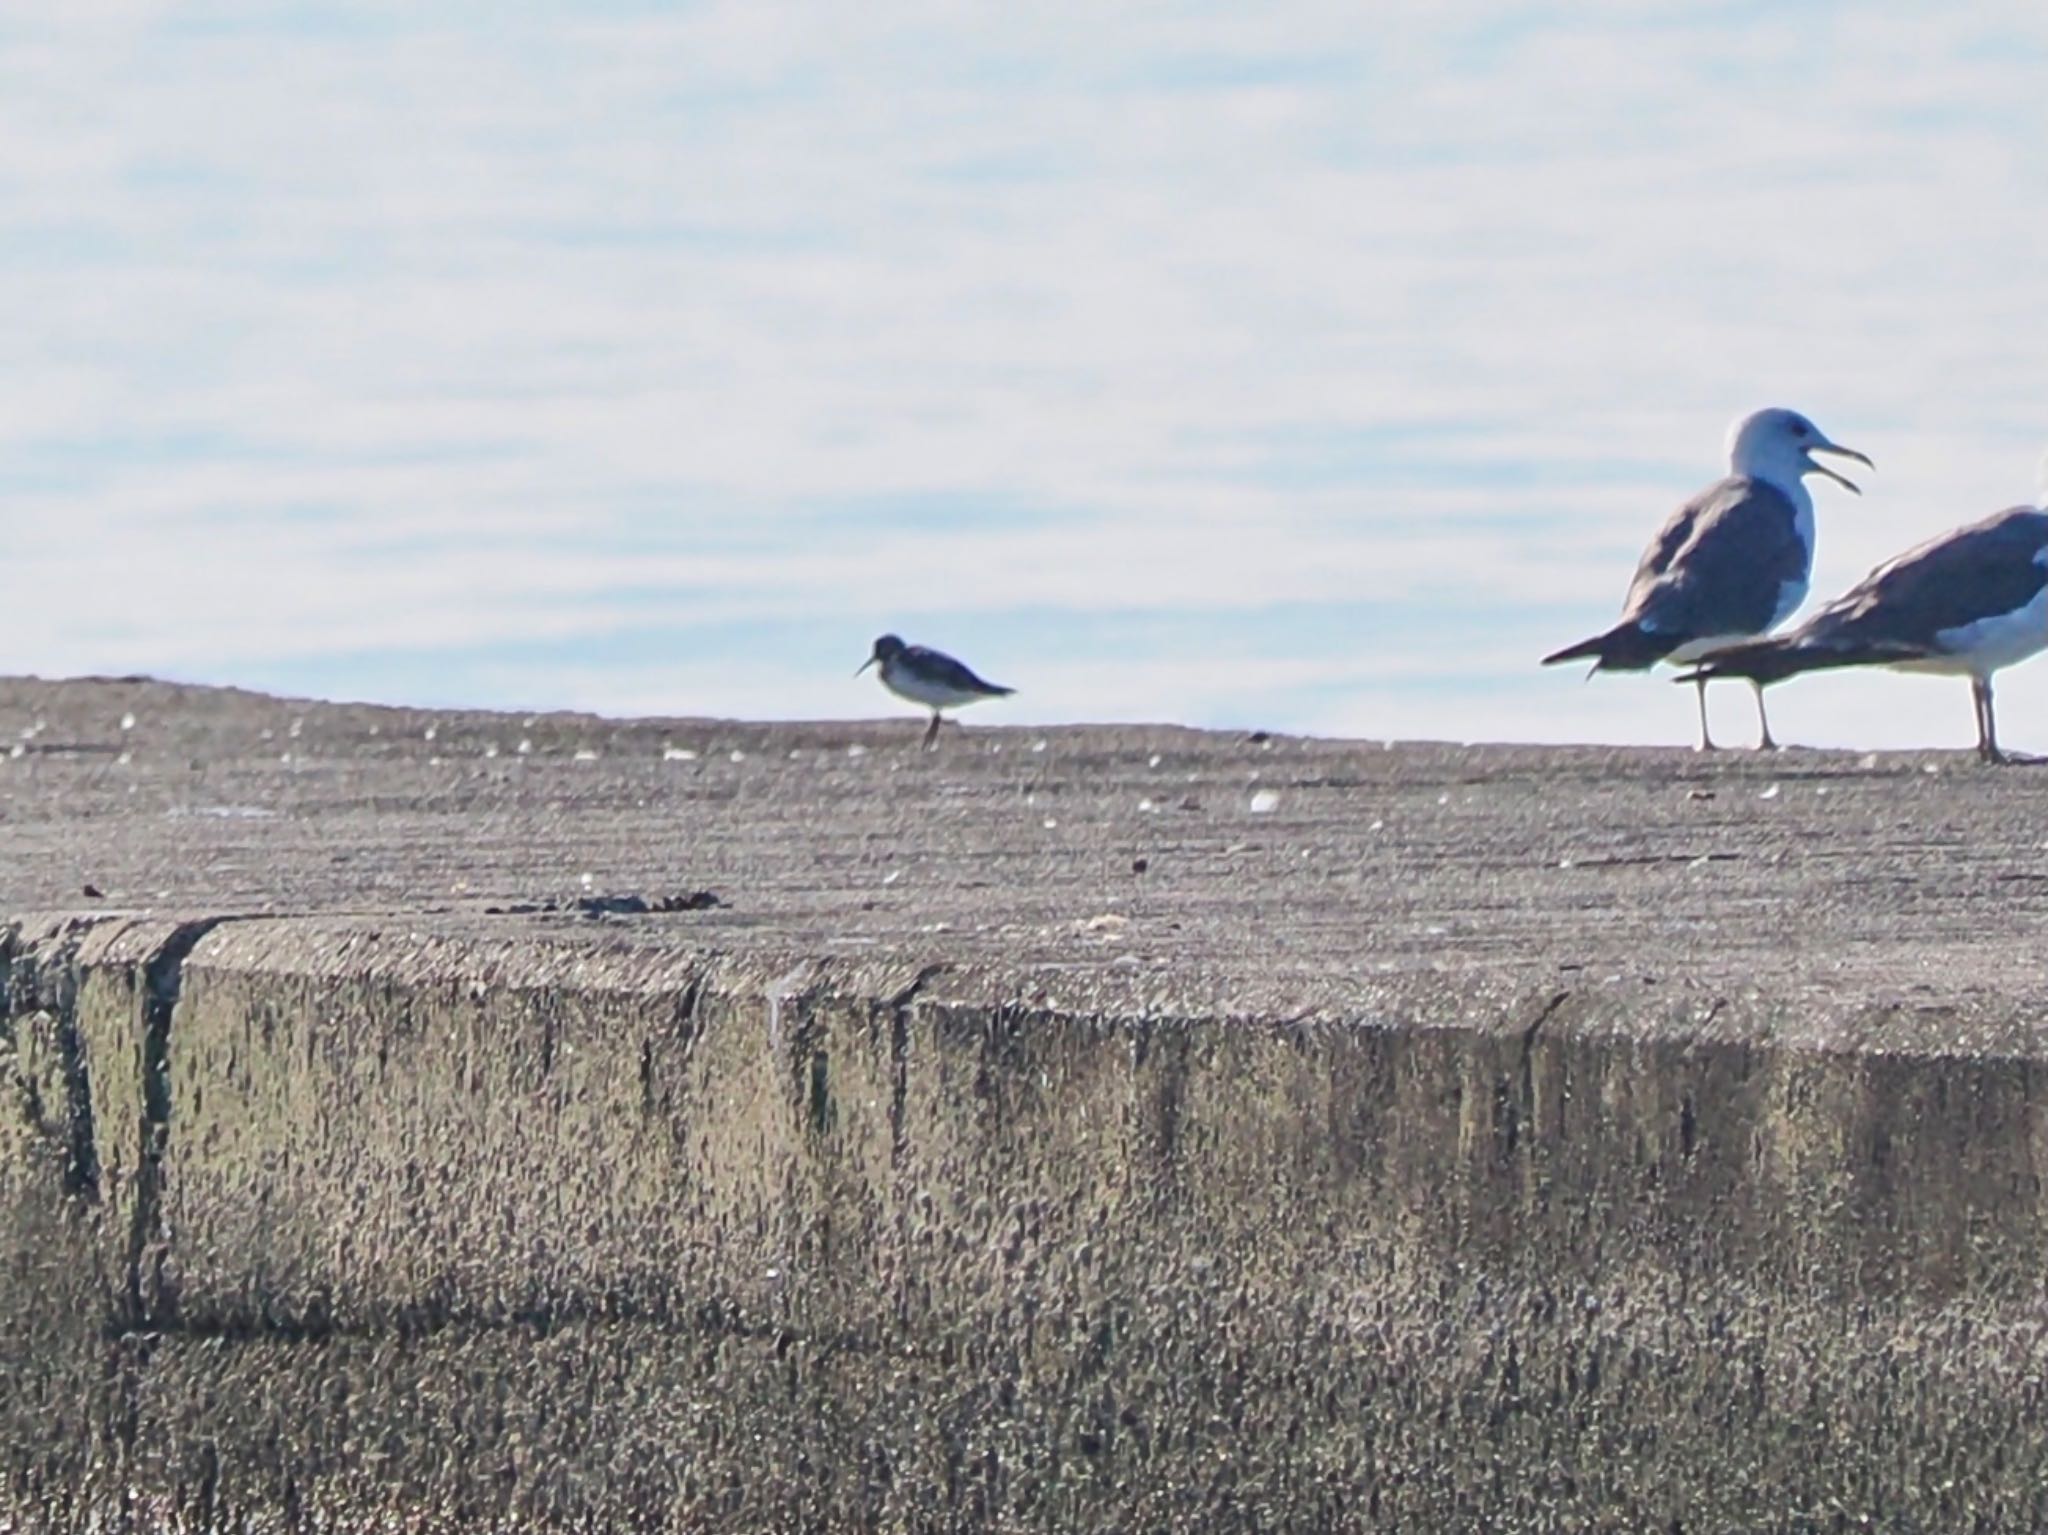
column 466, row 1122
column 363, row 1221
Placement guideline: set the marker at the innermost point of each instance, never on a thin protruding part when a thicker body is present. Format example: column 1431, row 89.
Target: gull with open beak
column 1731, row 564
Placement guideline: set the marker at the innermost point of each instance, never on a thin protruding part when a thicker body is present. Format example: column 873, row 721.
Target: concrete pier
column 441, row 1121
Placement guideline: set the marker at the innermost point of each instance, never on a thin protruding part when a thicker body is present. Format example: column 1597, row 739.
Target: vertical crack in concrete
column 1528, row 1063
column 1549, row 1011
column 903, row 1199
column 82, row 1151
column 899, row 1061
column 149, row 1299
column 46, row 983
column 685, row 1029
column 10, row 940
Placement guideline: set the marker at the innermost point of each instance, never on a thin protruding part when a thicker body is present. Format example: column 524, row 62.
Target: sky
column 1305, row 366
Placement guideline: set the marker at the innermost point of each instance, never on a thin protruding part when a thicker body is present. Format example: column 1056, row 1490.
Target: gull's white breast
column 1981, row 648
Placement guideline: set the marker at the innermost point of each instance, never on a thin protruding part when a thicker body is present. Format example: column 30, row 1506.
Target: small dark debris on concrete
column 93, row 892
column 639, row 905
column 598, row 906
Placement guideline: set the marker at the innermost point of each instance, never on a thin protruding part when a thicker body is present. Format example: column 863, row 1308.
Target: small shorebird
column 928, row 677
column 1966, row 603
column 1730, row 564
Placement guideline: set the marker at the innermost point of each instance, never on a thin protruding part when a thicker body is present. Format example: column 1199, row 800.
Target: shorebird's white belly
column 905, row 683
column 1981, row 648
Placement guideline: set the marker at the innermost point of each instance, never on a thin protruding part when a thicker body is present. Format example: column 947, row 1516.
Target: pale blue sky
column 1304, row 365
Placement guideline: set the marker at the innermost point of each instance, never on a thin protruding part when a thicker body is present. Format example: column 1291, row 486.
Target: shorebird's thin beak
column 1841, row 452
column 870, row 661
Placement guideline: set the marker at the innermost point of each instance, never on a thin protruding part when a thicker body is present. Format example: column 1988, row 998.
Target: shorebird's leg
column 1764, row 743
column 1987, row 723
column 931, row 731
column 1706, row 736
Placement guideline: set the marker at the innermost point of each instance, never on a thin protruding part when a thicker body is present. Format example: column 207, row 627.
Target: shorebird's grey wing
column 1730, row 561
column 941, row 668
column 1987, row 571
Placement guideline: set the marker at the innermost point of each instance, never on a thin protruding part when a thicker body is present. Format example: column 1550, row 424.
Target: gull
column 928, row 677
column 1730, row 564
column 1965, row 604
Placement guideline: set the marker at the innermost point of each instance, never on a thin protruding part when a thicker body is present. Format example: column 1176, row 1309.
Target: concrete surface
column 454, row 1121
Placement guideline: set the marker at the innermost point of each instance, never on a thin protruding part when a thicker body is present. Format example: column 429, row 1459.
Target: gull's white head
column 1778, row 445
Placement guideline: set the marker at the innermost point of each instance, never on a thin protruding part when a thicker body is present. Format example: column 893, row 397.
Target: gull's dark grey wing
column 1986, row 570
column 1919, row 606
column 941, row 668
column 1730, row 561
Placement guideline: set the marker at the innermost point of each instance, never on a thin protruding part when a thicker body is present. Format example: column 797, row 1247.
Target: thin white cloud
column 414, row 331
